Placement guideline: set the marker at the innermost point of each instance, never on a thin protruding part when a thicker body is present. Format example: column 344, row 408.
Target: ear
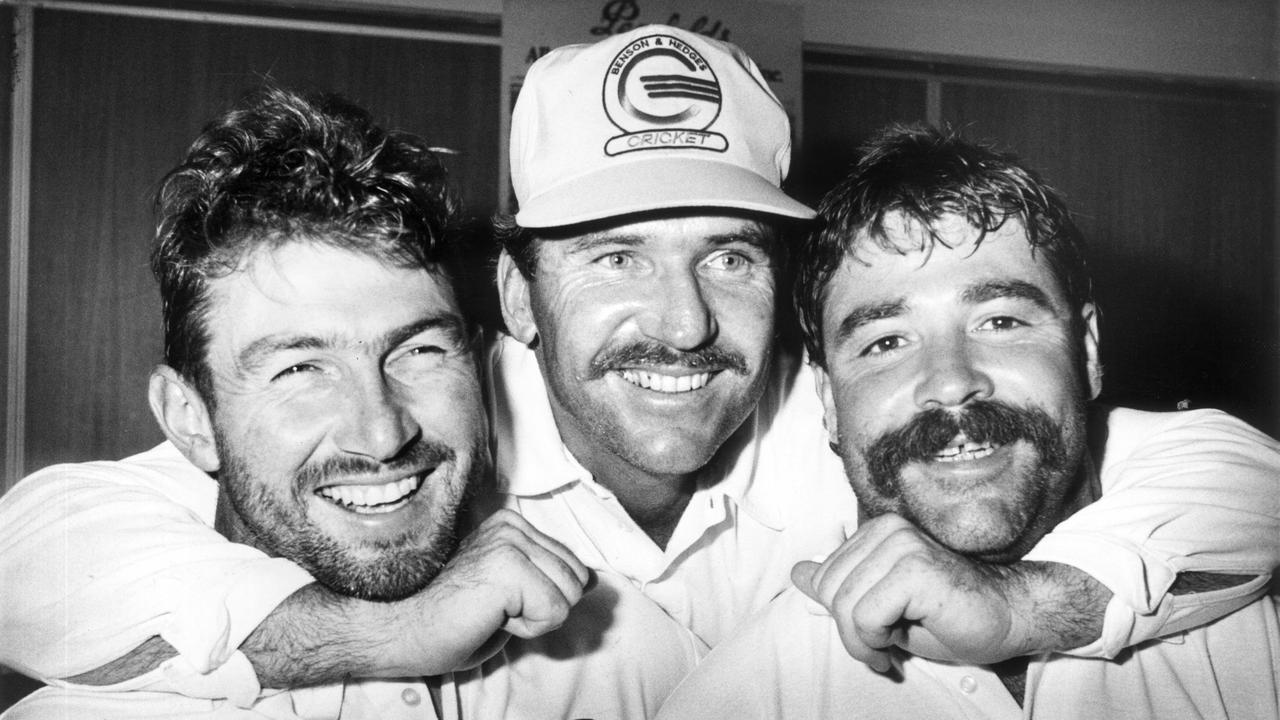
column 822, row 383
column 1093, row 367
column 513, row 295
column 183, row 417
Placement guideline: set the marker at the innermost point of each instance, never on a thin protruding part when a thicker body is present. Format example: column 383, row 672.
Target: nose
column 678, row 313
column 376, row 422
column 950, row 377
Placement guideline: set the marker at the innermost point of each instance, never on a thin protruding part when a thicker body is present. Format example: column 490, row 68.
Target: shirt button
column 410, row 696
column 968, row 685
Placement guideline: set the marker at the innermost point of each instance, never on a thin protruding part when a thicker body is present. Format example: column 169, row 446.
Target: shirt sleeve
column 1189, row 491
column 97, row 558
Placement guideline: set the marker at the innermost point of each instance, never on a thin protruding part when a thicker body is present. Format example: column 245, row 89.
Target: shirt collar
column 529, row 456
column 754, row 463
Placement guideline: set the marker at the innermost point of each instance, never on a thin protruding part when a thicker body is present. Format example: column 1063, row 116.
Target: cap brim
column 658, row 184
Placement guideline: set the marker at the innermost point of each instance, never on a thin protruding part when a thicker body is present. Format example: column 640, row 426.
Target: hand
column 892, row 585
column 506, row 578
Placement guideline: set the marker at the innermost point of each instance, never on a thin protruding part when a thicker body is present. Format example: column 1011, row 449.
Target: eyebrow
column 866, row 314
column 753, row 235
column 257, row 352
column 1011, row 289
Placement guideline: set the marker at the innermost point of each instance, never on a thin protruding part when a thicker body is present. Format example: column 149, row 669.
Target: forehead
column 302, row 286
column 912, row 263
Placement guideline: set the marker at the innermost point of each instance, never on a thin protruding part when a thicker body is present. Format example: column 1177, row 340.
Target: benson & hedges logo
column 662, row 94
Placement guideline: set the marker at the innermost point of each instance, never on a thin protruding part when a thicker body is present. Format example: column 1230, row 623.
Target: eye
column 883, row 345
column 616, row 260
column 425, row 351
column 730, row 261
column 295, row 370
column 1001, row 323
column 418, row 357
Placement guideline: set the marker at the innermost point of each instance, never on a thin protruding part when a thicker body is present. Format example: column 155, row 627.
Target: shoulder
column 160, row 475
column 1187, row 436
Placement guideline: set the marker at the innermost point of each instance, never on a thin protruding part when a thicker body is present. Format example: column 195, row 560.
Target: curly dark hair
column 925, row 173
column 283, row 166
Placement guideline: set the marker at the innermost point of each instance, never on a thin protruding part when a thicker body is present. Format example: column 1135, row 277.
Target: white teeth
column 666, row 383
column 965, row 451
column 373, row 498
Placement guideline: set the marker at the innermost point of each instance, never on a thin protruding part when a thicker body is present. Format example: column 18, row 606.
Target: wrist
column 1055, row 607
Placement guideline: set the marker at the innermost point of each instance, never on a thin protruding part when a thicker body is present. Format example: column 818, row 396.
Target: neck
column 229, row 524
column 1013, row 675
column 654, row 502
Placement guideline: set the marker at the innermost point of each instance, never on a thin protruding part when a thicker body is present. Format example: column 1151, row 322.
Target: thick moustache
column 650, row 362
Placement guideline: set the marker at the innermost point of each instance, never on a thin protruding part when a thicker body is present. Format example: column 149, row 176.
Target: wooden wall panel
column 1176, row 192
column 842, row 109
column 7, row 29
column 117, row 101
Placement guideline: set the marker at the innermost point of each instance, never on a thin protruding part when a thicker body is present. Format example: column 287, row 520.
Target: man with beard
column 646, row 416
column 948, row 312
column 320, row 369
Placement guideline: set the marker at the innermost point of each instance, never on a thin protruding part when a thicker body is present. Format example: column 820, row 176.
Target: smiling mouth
column 659, row 382
column 964, row 451
column 374, row 499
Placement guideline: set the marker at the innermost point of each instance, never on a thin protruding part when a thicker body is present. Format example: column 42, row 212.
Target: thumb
column 802, row 577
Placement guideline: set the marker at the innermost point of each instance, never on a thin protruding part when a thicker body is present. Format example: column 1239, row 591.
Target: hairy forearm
column 317, row 636
column 1190, row 583
column 141, row 660
column 314, row 637
column 1056, row 607
column 1063, row 607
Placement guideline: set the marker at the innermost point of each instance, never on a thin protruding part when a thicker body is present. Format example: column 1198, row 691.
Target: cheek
column 1048, row 379
column 281, row 433
column 870, row 404
column 746, row 318
column 577, row 321
column 451, row 408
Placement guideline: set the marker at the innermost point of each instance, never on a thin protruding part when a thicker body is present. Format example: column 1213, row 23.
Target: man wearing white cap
column 644, row 415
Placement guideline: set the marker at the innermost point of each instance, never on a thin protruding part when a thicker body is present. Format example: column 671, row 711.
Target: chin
column 983, row 544
column 676, row 458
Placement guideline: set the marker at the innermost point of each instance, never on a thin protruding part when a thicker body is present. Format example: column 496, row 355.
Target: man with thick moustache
column 949, row 313
column 321, row 373
column 644, row 415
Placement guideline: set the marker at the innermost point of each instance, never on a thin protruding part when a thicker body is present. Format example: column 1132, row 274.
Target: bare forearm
column 1058, row 607
column 314, row 637
column 317, row 636
column 1063, row 607
column 141, row 660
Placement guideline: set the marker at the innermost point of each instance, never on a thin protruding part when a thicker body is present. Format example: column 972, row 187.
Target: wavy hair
column 281, row 167
column 925, row 173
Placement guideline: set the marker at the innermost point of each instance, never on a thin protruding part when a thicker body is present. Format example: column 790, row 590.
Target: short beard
column 399, row 567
